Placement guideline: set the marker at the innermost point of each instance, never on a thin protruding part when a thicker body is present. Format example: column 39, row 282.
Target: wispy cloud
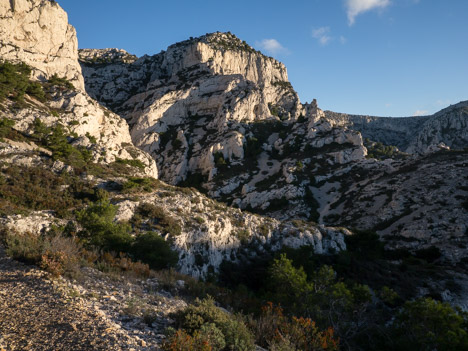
column 322, row 34
column 421, row 113
column 443, row 102
column 356, row 7
column 271, row 46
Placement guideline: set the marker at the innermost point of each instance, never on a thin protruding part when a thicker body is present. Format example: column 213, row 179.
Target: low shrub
column 135, row 184
column 152, row 249
column 132, row 163
column 220, row 329
column 55, row 254
column 158, row 219
column 426, row 324
column 181, row 341
column 279, row 332
column 101, row 231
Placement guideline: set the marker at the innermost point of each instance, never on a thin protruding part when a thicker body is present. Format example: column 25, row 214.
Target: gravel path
column 36, row 315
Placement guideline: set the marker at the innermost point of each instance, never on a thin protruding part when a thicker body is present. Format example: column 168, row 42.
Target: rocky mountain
column 38, row 34
column 246, row 173
column 413, row 134
column 220, row 116
column 68, row 137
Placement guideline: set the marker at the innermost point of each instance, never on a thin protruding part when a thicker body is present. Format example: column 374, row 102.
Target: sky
column 372, row 57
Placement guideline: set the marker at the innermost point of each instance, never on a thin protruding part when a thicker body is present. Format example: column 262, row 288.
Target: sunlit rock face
column 37, row 33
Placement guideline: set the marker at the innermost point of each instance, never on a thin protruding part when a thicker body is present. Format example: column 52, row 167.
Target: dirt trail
column 34, row 315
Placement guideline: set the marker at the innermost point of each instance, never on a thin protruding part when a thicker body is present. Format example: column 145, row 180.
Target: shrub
column 135, row 184
column 60, row 82
column 181, row 341
column 56, row 140
column 132, row 162
column 152, row 249
column 429, row 254
column 425, row 324
column 91, row 138
column 36, row 188
column 24, row 247
column 112, row 263
column 204, row 316
column 159, row 219
column 6, row 126
column 101, row 231
column 278, row 332
column 54, row 253
column 319, row 296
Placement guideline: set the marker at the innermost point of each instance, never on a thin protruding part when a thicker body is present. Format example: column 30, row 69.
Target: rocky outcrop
column 215, row 75
column 37, row 33
column 414, row 135
column 213, row 232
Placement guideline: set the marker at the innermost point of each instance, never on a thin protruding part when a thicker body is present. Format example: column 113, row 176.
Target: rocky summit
column 151, row 181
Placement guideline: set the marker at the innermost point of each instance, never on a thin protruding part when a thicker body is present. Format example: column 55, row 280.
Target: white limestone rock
column 37, row 32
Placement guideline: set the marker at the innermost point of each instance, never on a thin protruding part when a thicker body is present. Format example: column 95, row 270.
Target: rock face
column 415, row 135
column 37, row 33
column 215, row 75
column 220, row 116
column 213, row 232
column 214, row 111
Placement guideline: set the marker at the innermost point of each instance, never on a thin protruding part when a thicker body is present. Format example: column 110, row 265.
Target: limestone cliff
column 202, row 98
column 36, row 32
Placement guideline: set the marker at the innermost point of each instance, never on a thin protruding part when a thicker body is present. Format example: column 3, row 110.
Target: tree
column 426, row 325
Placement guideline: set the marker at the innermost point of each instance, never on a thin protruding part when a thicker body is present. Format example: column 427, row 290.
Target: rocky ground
column 97, row 312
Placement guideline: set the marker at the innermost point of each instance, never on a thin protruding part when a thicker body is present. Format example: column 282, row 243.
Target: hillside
column 189, row 200
column 251, row 144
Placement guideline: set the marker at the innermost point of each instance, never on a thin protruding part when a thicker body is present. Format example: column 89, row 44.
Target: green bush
column 56, row 140
column 159, row 219
column 60, row 82
column 6, row 126
column 101, row 231
column 36, row 188
column 134, row 184
column 206, row 319
column 132, row 163
column 152, row 249
column 426, row 325
column 25, row 247
column 319, row 296
column 15, row 83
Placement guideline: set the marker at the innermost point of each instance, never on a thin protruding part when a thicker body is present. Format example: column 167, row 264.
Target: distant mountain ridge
column 413, row 134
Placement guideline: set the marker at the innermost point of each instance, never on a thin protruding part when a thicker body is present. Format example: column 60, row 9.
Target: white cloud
column 355, row 7
column 271, row 46
column 421, row 113
column 322, row 34
column 343, row 40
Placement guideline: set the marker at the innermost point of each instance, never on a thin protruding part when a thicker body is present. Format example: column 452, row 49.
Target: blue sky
column 376, row 57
